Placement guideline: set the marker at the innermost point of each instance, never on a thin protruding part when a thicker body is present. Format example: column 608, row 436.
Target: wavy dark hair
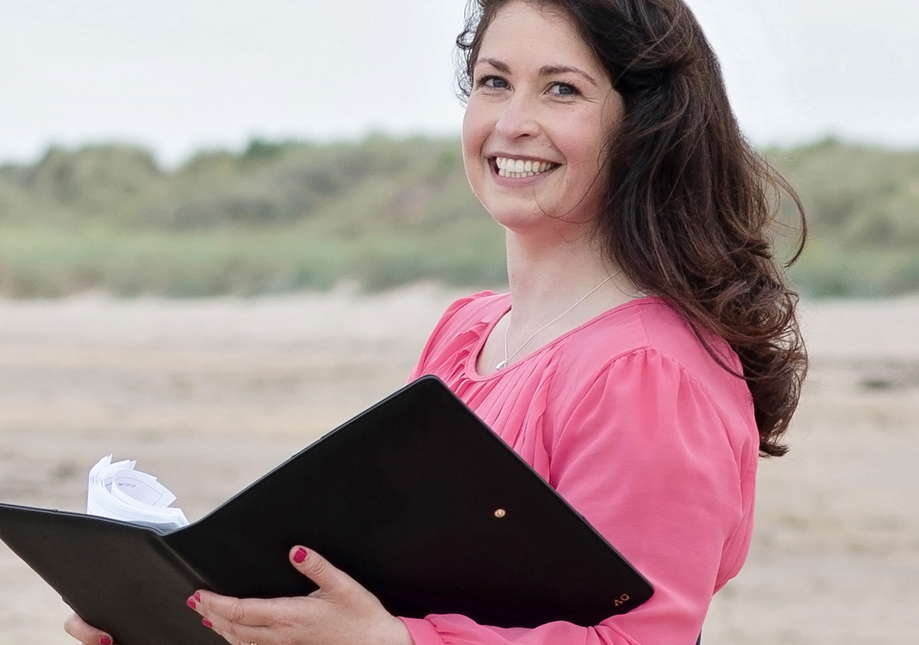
column 690, row 206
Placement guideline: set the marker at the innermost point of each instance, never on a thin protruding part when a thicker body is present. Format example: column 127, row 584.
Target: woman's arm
column 663, row 468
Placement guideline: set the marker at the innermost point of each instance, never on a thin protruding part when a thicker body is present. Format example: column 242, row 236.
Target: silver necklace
column 508, row 357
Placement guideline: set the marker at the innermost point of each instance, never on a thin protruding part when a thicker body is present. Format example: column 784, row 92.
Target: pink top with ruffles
column 634, row 423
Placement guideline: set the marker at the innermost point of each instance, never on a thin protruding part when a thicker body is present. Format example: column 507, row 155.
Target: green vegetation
column 276, row 218
column 863, row 217
column 287, row 216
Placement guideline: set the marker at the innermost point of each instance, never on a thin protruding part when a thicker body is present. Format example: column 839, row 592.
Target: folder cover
column 415, row 498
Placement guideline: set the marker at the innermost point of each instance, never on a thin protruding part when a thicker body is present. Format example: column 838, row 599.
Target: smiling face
column 538, row 120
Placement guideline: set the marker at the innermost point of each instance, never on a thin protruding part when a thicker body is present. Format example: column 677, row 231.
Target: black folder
column 415, row 498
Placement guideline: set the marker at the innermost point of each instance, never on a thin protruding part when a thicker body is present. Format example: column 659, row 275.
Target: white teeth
column 518, row 168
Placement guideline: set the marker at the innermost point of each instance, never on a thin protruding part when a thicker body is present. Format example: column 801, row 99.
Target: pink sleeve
column 645, row 455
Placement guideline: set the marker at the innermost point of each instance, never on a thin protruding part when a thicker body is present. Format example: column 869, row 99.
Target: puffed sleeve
column 664, row 468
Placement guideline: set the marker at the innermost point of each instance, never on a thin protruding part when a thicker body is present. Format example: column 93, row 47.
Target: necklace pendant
column 501, row 365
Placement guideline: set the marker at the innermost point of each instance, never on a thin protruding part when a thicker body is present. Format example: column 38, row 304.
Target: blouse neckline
column 472, row 373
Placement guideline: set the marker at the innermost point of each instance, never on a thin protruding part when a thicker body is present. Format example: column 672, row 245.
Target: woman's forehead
column 526, row 31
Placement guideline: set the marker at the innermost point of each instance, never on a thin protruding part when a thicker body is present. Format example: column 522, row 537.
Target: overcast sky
column 178, row 76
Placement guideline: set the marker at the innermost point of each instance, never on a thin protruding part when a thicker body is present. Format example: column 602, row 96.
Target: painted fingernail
column 198, row 596
column 207, row 623
column 105, row 640
column 300, row 555
column 191, row 603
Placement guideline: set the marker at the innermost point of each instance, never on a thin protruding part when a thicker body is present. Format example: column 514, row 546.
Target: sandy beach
column 209, row 394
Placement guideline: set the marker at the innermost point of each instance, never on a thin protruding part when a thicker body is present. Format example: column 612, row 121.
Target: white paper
column 119, row 492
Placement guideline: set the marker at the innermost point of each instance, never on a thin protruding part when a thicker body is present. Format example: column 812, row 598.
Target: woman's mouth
column 520, row 168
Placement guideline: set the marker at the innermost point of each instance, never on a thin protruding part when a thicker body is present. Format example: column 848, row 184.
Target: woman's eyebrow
column 501, row 67
column 551, row 70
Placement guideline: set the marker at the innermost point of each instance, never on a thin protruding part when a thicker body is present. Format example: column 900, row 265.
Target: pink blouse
column 632, row 421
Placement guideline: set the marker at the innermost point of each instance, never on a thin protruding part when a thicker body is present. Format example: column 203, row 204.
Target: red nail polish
column 206, row 622
column 191, row 603
column 105, row 640
column 198, row 596
column 300, row 555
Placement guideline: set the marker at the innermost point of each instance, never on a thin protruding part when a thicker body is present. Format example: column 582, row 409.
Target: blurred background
column 226, row 227
column 211, row 148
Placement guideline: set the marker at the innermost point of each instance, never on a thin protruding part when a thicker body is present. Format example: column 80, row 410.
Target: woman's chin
column 519, row 216
column 543, row 224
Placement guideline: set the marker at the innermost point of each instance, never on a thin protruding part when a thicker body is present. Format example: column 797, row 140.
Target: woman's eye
column 492, row 82
column 564, row 89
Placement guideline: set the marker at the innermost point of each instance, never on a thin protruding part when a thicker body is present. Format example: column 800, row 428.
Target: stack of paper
column 119, row 492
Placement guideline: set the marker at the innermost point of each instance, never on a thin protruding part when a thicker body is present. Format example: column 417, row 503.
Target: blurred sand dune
column 210, row 394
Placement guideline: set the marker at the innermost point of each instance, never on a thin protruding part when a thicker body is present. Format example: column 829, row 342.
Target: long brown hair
column 689, row 204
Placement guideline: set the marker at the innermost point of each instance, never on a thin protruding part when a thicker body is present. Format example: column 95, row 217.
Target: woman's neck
column 555, row 288
column 546, row 279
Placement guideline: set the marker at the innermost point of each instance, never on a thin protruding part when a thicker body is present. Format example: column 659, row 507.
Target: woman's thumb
column 318, row 569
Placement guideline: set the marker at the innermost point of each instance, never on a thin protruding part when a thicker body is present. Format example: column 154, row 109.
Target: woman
column 648, row 349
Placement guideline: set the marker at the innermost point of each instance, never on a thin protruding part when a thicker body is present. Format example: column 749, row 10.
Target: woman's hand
column 341, row 611
column 85, row 633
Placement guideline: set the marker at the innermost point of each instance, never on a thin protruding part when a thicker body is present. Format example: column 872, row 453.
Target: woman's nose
column 518, row 118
